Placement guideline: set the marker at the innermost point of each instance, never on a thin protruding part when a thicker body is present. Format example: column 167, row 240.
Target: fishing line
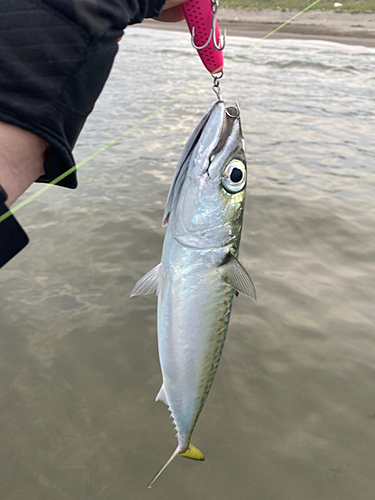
column 272, row 32
column 141, row 122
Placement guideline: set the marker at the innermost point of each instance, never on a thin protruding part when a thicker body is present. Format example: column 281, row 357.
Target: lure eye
column 234, row 177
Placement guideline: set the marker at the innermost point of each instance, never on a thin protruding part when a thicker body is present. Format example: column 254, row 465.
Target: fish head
column 207, row 196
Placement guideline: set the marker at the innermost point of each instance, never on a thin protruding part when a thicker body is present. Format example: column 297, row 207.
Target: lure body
column 199, row 271
column 203, row 27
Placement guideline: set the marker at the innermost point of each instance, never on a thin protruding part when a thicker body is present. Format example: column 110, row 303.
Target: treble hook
column 215, row 5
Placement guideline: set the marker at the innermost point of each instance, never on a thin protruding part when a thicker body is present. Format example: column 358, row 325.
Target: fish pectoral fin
column 162, row 396
column 239, row 278
column 148, row 283
column 193, row 453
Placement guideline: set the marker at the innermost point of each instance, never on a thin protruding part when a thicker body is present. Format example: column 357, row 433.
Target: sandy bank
column 341, row 27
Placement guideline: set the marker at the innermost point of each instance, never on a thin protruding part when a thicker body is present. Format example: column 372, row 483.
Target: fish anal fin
column 193, row 453
column 148, row 283
column 239, row 278
column 162, row 396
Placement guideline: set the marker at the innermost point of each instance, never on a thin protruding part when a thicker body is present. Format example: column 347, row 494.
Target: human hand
column 171, row 12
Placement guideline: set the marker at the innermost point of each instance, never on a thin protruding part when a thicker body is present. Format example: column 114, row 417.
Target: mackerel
column 199, row 271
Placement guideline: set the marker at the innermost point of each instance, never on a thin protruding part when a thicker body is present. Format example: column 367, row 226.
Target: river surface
column 291, row 413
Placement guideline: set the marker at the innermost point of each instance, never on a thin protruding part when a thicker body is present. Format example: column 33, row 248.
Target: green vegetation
column 350, row 5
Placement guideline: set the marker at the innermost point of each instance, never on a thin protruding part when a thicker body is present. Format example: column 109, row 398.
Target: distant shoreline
column 357, row 28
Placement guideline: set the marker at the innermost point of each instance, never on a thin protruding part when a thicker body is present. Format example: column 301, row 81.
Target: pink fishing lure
column 198, row 14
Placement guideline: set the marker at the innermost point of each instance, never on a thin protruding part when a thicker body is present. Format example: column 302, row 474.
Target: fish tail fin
column 175, row 453
column 191, row 452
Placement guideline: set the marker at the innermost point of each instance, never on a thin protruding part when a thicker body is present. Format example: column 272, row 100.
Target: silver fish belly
column 199, row 271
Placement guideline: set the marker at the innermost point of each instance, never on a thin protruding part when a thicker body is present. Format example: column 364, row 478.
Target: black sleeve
column 103, row 15
column 12, row 237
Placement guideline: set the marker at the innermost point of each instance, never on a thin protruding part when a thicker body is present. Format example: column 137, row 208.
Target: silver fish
column 199, row 271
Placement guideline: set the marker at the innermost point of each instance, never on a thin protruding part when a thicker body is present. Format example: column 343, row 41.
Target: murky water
column 291, row 414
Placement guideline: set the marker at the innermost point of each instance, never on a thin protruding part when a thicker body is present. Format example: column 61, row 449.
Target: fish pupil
column 236, row 175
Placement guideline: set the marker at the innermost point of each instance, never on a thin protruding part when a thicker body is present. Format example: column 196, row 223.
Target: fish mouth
column 218, row 111
column 232, row 114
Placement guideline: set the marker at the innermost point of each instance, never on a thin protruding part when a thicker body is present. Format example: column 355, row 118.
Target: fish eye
column 234, row 177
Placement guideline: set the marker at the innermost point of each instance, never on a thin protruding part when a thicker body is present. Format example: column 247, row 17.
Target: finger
column 172, row 15
column 169, row 4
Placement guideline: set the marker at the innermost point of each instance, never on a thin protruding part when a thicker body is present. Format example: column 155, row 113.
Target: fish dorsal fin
column 162, row 396
column 148, row 283
column 182, row 167
column 238, row 276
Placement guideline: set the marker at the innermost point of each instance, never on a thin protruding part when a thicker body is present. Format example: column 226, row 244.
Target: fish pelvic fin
column 191, row 452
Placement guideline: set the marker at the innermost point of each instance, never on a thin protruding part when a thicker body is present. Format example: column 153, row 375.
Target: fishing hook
column 217, row 46
column 237, row 109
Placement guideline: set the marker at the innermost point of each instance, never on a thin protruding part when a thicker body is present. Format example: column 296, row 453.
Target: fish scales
column 201, row 304
column 199, row 270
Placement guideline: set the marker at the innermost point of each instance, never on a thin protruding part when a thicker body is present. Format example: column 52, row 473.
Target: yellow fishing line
column 272, row 32
column 141, row 122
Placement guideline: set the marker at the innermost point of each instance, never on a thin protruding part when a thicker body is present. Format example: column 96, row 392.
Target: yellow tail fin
column 191, row 452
